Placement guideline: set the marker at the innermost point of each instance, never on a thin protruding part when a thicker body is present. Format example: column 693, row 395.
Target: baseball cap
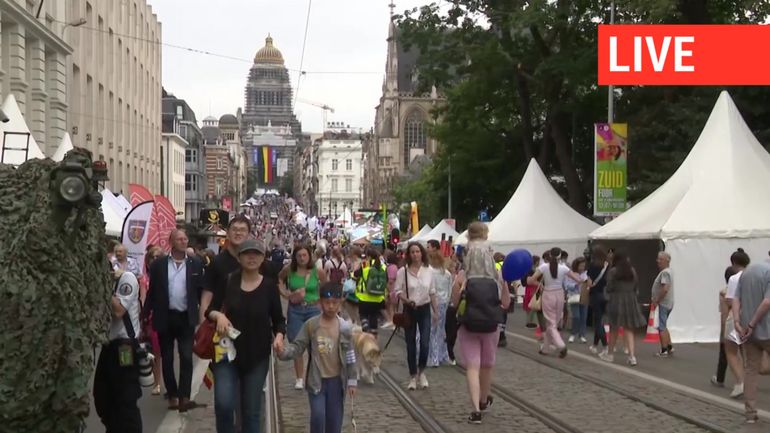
column 330, row 290
column 252, row 245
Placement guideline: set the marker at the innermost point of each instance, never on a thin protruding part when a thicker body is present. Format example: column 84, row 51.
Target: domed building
column 269, row 128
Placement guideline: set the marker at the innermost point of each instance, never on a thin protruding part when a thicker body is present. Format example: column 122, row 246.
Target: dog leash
column 353, row 414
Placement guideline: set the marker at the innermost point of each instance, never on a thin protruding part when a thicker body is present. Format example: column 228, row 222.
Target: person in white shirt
column 739, row 260
column 553, row 274
column 414, row 287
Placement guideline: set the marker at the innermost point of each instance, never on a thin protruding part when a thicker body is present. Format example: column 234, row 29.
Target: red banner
column 165, row 215
column 683, row 55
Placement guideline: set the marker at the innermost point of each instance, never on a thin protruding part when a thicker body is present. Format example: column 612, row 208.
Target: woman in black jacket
column 248, row 315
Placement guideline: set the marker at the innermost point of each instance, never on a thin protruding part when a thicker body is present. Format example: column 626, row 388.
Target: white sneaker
column 299, row 384
column 571, row 339
column 388, row 325
column 593, row 349
column 737, row 391
column 583, row 340
column 453, row 362
column 605, row 356
column 412, row 384
column 423, row 381
column 632, row 361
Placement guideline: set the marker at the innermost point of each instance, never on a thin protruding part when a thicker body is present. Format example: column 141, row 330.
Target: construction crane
column 319, row 105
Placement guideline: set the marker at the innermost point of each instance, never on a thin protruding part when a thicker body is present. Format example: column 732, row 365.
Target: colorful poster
column 136, row 230
column 268, row 162
column 610, row 170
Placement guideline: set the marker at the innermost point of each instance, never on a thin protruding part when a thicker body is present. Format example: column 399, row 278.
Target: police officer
column 116, row 381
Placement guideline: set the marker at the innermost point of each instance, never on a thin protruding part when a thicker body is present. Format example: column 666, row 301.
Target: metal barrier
column 272, row 409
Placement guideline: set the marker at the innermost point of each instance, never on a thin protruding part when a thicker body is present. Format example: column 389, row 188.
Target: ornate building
column 400, row 125
column 221, row 161
column 269, row 127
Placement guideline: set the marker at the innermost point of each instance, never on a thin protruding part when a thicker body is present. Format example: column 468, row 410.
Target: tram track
column 540, row 359
column 427, row 421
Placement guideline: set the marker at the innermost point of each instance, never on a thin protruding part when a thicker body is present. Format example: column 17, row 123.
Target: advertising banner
column 610, row 171
column 414, row 218
column 136, row 230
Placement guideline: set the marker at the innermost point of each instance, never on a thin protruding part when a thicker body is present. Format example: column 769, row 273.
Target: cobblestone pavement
column 576, row 400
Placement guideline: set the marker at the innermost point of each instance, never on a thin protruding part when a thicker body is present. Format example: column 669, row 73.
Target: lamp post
column 611, row 88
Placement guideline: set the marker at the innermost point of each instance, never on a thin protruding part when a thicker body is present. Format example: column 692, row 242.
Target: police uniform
column 116, row 381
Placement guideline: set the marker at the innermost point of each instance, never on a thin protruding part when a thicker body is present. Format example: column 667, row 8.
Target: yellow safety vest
column 361, row 293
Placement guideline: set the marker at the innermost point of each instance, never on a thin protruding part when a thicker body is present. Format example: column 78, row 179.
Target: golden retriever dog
column 368, row 355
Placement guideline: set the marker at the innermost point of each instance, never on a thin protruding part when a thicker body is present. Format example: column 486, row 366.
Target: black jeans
column 722, row 363
column 116, row 391
column 598, row 307
column 369, row 313
column 179, row 331
column 450, row 327
column 420, row 319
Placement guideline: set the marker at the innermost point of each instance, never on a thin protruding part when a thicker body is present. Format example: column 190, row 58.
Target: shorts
column 297, row 315
column 477, row 349
column 663, row 314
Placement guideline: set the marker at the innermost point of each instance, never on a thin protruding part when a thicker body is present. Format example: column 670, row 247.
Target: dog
column 368, row 355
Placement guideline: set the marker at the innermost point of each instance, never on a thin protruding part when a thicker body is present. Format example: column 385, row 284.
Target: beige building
column 400, row 126
column 114, row 87
column 337, row 157
column 33, row 66
column 172, row 180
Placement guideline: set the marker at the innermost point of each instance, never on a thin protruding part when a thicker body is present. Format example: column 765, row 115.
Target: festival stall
column 537, row 219
column 713, row 204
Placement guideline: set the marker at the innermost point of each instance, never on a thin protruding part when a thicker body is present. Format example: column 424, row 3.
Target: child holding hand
column 331, row 368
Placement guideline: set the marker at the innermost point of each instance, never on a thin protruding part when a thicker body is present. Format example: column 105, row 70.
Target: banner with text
column 610, row 170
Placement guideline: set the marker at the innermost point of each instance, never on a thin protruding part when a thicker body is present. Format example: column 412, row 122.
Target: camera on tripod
column 144, row 360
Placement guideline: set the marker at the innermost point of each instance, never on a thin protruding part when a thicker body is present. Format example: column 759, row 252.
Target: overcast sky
column 343, row 36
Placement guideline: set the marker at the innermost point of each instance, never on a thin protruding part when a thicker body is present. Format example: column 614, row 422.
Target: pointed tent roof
column 17, row 124
column 441, row 228
column 423, row 232
column 728, row 166
column 64, row 147
column 553, row 221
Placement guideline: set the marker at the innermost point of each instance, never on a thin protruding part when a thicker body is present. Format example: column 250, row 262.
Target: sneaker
column 662, row 354
column 670, row 350
column 625, row 351
column 452, row 362
column 388, row 325
column 486, row 405
column 632, row 361
column 571, row 339
column 503, row 341
column 717, row 383
column 475, row 418
column 593, row 349
column 412, row 384
column 583, row 340
column 605, row 356
column 563, row 352
column 299, row 384
column 752, row 420
column 423, row 381
column 737, row 391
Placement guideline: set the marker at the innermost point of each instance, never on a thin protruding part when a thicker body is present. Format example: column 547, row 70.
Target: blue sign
column 483, row 216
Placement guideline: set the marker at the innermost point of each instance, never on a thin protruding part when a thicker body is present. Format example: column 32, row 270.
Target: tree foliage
column 519, row 82
column 55, row 287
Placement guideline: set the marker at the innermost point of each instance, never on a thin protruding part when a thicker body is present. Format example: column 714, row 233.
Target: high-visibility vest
column 361, row 293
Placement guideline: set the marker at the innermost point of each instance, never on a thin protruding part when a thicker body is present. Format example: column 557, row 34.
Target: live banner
column 610, row 168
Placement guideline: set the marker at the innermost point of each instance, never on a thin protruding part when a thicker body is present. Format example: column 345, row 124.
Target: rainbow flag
column 268, row 164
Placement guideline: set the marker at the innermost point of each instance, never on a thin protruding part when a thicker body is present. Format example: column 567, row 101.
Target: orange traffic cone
column 652, row 327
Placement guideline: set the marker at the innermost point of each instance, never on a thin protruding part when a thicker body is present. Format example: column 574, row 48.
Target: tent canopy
column 64, row 147
column 716, row 192
column 442, row 228
column 15, row 134
column 424, row 231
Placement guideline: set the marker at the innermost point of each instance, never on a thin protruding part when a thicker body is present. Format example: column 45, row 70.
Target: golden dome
column 269, row 53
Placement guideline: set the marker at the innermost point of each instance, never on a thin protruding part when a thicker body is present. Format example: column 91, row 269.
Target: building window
column 219, row 188
column 219, row 163
column 349, row 164
column 190, row 182
column 335, row 164
column 190, row 155
column 414, row 132
column 348, row 185
column 334, row 185
column 179, row 112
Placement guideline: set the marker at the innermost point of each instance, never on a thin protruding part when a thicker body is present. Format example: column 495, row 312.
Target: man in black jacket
column 175, row 288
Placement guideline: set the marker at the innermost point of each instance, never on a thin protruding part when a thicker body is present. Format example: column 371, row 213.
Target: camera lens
column 73, row 189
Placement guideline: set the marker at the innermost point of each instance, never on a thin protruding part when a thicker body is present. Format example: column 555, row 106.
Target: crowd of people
column 335, row 291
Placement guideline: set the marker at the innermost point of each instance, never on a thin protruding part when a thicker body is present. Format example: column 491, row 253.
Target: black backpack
column 482, row 312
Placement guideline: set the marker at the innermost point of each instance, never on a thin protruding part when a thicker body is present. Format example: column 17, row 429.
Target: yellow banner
column 415, row 218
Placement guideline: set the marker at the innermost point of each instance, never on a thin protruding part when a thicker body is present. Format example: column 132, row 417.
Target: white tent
column 126, row 206
column 537, row 219
column 442, row 228
column 714, row 203
column 417, row 236
column 14, row 134
column 114, row 213
column 64, row 147
column 346, row 219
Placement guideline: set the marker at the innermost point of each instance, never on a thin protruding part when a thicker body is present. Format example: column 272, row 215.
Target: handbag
column 203, row 341
column 536, row 304
column 402, row 319
column 573, row 299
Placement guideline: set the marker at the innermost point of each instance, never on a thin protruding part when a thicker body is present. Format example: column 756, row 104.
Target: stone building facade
column 33, row 66
column 114, row 87
column 401, row 123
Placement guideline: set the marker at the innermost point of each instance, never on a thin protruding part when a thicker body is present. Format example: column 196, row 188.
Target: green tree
column 519, row 82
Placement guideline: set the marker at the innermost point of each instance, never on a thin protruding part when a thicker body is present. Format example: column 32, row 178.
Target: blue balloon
column 517, row 265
